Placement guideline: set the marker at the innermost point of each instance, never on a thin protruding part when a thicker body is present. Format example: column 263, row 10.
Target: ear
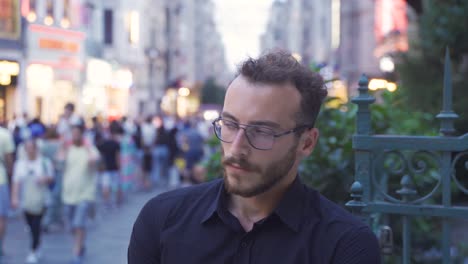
column 308, row 140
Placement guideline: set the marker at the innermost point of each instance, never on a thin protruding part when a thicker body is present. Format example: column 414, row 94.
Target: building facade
column 342, row 39
column 110, row 58
column 11, row 58
column 195, row 53
column 54, row 54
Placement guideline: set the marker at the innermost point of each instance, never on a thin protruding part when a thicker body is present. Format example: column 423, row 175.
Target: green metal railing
column 379, row 157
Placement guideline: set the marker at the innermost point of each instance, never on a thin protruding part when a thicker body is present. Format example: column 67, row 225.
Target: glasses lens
column 260, row 137
column 225, row 130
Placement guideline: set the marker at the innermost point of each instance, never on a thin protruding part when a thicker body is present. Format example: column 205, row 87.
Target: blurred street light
column 377, row 84
column 386, row 64
column 184, row 91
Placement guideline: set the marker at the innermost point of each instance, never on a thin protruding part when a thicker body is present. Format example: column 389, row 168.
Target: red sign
column 9, row 19
column 58, row 45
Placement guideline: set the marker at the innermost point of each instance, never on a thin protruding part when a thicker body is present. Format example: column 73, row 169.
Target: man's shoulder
column 336, row 214
column 344, row 231
column 188, row 195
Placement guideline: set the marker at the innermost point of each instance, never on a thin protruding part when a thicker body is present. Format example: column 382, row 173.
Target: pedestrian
column 7, row 148
column 31, row 178
column 174, row 177
column 110, row 158
column 65, row 122
column 160, row 155
column 192, row 146
column 50, row 148
column 260, row 211
column 79, row 185
column 148, row 137
column 128, row 160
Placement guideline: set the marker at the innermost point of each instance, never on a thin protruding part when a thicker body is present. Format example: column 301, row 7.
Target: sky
column 241, row 22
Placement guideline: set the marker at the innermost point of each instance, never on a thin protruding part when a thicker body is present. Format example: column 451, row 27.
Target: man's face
column 68, row 111
column 248, row 171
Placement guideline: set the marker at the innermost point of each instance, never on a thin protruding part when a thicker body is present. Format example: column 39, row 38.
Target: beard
column 258, row 180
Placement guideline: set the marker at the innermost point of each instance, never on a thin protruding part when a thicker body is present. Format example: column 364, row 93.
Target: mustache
column 238, row 162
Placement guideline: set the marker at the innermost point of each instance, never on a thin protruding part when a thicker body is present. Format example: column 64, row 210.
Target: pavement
column 107, row 239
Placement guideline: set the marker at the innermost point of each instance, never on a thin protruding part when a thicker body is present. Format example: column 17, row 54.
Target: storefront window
column 9, row 20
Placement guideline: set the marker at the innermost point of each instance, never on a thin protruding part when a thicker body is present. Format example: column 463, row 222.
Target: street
column 107, row 240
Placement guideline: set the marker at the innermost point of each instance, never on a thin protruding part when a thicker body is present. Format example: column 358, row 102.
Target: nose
column 240, row 144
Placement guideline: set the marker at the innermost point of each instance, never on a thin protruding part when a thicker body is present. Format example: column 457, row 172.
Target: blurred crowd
column 60, row 176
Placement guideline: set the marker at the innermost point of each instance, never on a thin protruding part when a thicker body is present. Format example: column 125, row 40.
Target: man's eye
column 230, row 125
column 259, row 131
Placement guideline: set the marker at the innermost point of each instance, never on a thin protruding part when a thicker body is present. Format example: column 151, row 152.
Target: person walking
column 31, row 177
column 79, row 185
column 160, row 167
column 128, row 160
column 148, row 136
column 50, row 148
column 110, row 158
column 7, row 148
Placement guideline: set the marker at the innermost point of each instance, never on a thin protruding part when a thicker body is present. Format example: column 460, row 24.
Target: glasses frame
column 244, row 127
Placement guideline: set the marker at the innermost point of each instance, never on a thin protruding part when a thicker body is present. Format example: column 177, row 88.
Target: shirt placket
column 244, row 250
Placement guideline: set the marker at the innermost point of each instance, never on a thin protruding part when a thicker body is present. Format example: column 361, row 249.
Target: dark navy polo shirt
column 193, row 225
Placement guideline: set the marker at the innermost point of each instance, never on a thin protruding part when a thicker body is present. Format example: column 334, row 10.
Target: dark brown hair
column 280, row 67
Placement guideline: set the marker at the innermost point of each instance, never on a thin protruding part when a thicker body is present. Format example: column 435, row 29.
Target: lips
column 237, row 167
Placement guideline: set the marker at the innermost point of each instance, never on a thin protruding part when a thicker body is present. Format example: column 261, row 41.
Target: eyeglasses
column 259, row 137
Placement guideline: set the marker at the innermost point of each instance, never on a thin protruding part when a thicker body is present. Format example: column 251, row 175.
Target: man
column 110, row 155
column 7, row 147
column 64, row 124
column 79, row 185
column 260, row 212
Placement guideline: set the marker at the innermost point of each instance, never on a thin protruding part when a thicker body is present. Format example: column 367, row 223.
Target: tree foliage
column 442, row 24
column 212, row 93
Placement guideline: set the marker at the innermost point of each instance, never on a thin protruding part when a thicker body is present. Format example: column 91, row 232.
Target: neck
column 249, row 210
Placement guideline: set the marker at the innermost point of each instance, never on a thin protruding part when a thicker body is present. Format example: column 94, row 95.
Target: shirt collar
column 290, row 210
column 215, row 203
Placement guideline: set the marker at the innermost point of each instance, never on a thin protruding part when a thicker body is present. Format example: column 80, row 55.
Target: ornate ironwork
column 459, row 157
column 405, row 167
column 435, row 162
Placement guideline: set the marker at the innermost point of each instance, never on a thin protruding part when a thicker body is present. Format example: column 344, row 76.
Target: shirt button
column 244, row 244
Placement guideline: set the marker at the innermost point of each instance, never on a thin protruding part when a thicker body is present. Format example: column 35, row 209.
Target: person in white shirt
column 31, row 177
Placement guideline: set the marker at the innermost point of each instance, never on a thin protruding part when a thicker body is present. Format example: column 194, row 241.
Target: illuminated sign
column 390, row 28
column 58, row 45
column 7, row 70
column 10, row 27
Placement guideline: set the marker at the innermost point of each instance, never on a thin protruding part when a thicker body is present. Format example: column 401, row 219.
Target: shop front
column 54, row 70
column 181, row 102
column 119, row 93
column 9, row 73
column 94, row 97
column 106, row 90
column 10, row 57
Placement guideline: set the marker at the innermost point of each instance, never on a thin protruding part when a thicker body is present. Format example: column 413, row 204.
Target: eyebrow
column 265, row 123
